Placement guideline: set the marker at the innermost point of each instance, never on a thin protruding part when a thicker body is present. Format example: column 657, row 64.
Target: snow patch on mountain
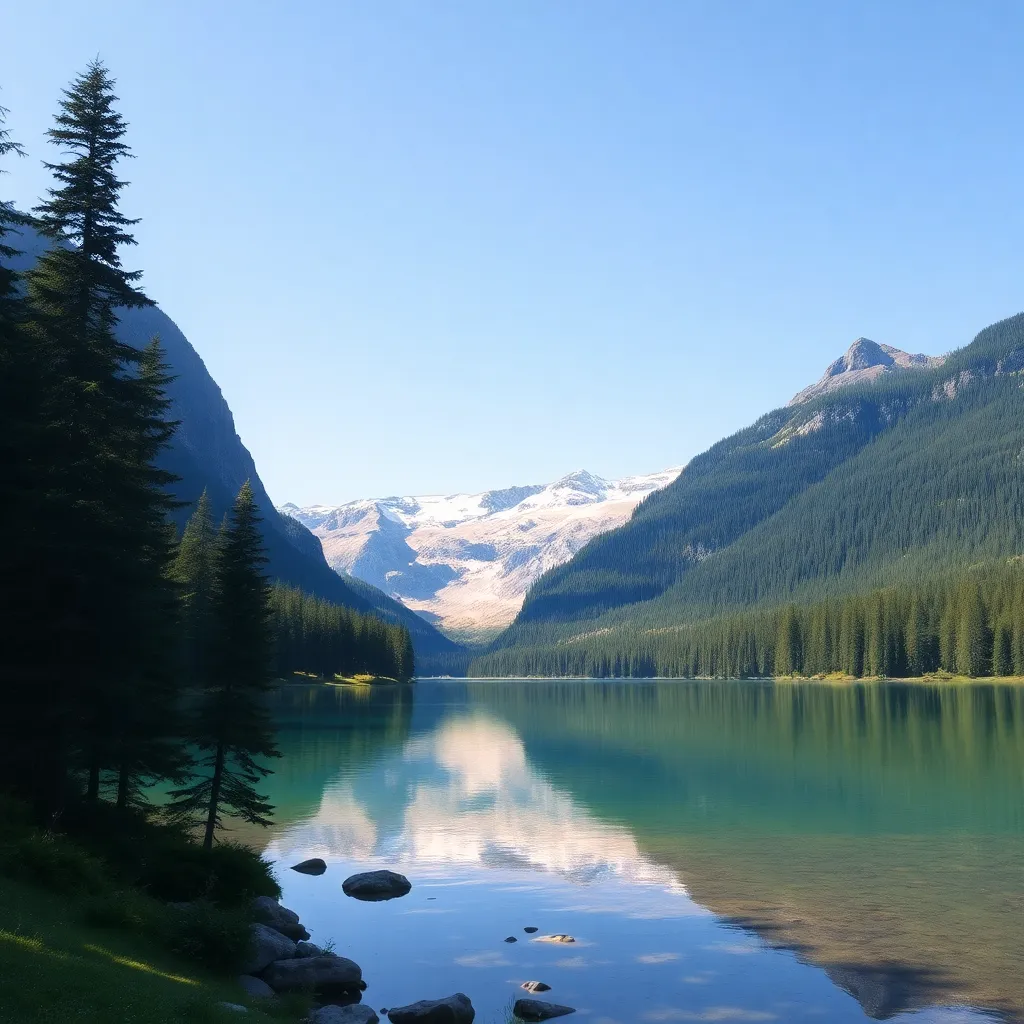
column 465, row 561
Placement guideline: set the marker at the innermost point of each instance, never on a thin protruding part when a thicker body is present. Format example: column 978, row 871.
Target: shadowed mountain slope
column 207, row 453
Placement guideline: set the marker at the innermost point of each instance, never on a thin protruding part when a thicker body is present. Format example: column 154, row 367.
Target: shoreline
column 835, row 679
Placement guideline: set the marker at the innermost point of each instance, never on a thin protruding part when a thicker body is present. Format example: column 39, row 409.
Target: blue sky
column 434, row 246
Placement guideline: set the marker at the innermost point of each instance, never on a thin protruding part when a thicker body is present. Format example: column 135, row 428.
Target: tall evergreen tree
column 193, row 570
column 98, row 543
column 232, row 725
column 18, row 485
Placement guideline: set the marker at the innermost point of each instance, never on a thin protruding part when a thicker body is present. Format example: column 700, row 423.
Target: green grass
column 56, row 968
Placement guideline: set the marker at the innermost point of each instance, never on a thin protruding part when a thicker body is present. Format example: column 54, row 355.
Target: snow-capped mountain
column 465, row 561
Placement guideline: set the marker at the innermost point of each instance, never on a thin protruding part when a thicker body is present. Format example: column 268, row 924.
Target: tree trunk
column 211, row 818
column 122, row 788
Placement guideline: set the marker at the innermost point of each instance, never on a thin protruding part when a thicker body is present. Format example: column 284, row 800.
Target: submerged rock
column 456, row 1009
column 355, row 1013
column 321, row 973
column 269, row 912
column 535, row 986
column 313, row 866
column 376, row 885
column 511, row 938
column 537, row 1009
column 268, row 945
column 255, row 986
column 562, row 939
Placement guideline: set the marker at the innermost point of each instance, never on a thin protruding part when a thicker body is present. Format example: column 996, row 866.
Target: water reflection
column 875, row 832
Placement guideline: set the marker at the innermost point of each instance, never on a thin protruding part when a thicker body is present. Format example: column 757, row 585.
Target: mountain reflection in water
column 875, row 832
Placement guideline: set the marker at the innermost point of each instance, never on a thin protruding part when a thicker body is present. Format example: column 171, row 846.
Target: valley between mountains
column 466, row 562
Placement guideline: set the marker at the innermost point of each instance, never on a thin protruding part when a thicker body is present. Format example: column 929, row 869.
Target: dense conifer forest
column 128, row 657
column 884, row 486
column 970, row 624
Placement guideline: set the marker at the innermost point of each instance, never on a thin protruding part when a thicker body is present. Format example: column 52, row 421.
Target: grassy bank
column 56, row 967
column 125, row 920
column 361, row 679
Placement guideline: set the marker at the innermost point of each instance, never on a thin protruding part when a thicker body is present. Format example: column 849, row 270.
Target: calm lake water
column 734, row 851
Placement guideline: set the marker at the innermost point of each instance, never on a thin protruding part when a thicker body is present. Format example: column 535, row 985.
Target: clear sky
column 433, row 245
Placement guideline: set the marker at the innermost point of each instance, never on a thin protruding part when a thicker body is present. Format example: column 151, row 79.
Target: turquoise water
column 742, row 851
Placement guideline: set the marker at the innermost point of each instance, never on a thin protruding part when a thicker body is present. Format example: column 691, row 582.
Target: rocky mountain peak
column 861, row 355
column 864, row 360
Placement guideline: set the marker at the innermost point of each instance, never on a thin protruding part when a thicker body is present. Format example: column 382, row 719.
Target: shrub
column 47, row 860
column 126, row 910
column 218, row 938
column 229, row 874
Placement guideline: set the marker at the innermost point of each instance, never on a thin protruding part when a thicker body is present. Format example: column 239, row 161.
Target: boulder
column 267, row 946
column 269, row 912
column 511, row 938
column 376, row 885
column 555, row 938
column 322, row 973
column 535, row 986
column 308, row 949
column 356, row 1013
column 255, row 986
column 313, row 866
column 529, row 930
column 456, row 1009
column 537, row 1009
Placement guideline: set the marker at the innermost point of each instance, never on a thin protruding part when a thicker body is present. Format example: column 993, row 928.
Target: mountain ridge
column 465, row 561
column 896, row 475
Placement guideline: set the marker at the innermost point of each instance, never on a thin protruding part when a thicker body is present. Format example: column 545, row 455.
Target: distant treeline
column 313, row 635
column 970, row 623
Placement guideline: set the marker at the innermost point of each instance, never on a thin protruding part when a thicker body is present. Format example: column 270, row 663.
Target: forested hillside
column 886, row 483
column 206, row 454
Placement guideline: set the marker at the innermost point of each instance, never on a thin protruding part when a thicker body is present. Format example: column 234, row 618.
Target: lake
column 720, row 851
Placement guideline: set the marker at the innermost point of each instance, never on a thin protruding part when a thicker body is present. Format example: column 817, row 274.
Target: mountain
column 865, row 360
column 208, row 453
column 466, row 561
column 897, row 476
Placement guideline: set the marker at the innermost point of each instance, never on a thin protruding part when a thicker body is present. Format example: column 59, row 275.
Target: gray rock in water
column 529, row 930
column 269, row 912
column 322, row 973
column 268, row 945
column 561, row 939
column 354, row 1014
column 313, row 866
column 308, row 949
column 255, row 986
column 537, row 1009
column 456, row 1009
column 535, row 986
column 511, row 938
column 376, row 885
column 234, row 1007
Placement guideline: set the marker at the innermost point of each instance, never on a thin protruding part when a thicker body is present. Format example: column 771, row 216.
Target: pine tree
column 193, row 570
column 971, row 646
column 99, row 550
column 19, row 493
column 232, row 725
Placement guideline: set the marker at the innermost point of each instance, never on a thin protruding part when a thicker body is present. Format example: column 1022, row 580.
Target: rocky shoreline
column 284, row 960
